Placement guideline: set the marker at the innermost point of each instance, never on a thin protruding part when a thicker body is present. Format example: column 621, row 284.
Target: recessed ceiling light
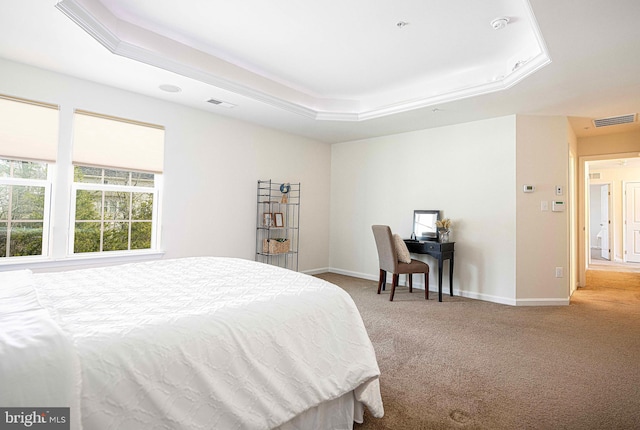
column 170, row 88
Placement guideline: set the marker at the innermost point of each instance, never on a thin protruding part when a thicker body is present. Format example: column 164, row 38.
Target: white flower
column 444, row 223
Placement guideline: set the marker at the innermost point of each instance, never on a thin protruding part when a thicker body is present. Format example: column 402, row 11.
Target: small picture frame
column 267, row 219
column 278, row 219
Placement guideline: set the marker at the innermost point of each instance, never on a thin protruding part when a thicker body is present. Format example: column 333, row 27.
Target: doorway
column 600, row 221
column 612, row 221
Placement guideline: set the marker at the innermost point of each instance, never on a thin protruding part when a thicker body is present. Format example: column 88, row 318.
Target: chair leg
column 410, row 276
column 393, row 285
column 381, row 279
column 426, row 286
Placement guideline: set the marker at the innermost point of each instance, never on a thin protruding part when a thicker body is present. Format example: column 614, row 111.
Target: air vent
column 221, row 103
column 615, row 120
column 594, row 175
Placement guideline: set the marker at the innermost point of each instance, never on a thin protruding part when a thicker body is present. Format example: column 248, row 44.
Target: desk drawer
column 422, row 247
column 431, row 246
column 425, row 247
column 447, row 246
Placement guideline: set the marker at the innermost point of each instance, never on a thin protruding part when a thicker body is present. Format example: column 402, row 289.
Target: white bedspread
column 208, row 343
column 38, row 365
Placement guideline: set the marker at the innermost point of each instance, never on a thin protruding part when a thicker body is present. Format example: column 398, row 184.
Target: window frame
column 155, row 217
column 47, row 184
column 60, row 192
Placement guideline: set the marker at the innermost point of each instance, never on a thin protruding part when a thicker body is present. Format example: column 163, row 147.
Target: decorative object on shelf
column 267, row 219
column 443, row 236
column 278, row 219
column 444, row 228
column 284, row 189
column 276, row 246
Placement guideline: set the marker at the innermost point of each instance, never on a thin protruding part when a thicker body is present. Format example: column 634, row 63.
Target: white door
column 632, row 235
column 604, row 222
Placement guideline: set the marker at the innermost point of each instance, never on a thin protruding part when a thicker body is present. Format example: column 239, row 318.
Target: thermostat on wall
column 557, row 206
column 529, row 188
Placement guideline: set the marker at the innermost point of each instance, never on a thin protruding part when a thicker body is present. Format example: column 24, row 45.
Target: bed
column 191, row 343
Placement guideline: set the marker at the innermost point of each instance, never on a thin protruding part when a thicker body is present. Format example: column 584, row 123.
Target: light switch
column 544, row 205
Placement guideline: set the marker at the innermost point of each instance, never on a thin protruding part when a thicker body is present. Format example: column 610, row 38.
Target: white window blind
column 106, row 141
column 28, row 130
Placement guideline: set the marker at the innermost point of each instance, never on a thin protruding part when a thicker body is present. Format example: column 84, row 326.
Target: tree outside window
column 23, row 191
column 113, row 210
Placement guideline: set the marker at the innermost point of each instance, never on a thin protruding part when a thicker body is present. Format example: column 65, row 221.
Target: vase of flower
column 444, row 228
column 443, row 235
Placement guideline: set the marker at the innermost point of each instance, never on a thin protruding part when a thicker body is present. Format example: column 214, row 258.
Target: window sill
column 43, row 264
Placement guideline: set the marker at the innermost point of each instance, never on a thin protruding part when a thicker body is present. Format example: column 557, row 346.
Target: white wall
column 212, row 165
column 467, row 171
column 542, row 236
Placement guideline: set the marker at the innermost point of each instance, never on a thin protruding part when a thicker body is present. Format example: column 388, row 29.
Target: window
column 24, row 208
column 116, row 186
column 28, row 131
column 109, row 194
column 115, row 210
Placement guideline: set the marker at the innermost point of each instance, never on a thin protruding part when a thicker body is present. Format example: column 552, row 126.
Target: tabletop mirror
column 424, row 224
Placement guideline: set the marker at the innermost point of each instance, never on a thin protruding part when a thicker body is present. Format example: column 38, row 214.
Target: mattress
column 192, row 343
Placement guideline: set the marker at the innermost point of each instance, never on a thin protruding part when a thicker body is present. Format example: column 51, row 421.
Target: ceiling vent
column 221, row 103
column 615, row 120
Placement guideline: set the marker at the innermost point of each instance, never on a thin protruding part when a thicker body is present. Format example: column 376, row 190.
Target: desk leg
column 440, row 279
column 451, row 276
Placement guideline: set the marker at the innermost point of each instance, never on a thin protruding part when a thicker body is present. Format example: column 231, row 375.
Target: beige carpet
column 469, row 364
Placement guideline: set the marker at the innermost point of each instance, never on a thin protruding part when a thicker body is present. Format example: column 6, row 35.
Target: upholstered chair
column 398, row 263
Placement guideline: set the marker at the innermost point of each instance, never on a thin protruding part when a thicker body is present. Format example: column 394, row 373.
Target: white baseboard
column 542, row 302
column 485, row 297
column 419, row 284
column 316, row 271
column 354, row 274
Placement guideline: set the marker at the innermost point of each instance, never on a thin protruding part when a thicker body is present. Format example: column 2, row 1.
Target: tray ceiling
column 337, row 72
column 329, row 60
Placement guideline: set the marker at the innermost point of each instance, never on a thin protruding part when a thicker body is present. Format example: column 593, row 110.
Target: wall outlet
column 559, row 273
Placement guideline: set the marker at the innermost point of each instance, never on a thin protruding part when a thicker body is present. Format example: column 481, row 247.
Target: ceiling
column 617, row 163
column 338, row 71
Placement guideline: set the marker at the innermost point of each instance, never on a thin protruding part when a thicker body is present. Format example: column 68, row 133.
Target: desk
column 439, row 251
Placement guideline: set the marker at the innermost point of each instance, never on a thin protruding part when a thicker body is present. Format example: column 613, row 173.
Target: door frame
column 610, row 245
column 573, row 225
column 584, row 250
column 625, row 202
column 610, row 238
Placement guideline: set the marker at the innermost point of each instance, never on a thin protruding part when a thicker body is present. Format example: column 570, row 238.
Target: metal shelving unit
column 277, row 224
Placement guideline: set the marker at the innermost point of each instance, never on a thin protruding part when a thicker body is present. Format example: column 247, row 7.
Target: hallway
column 624, row 278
